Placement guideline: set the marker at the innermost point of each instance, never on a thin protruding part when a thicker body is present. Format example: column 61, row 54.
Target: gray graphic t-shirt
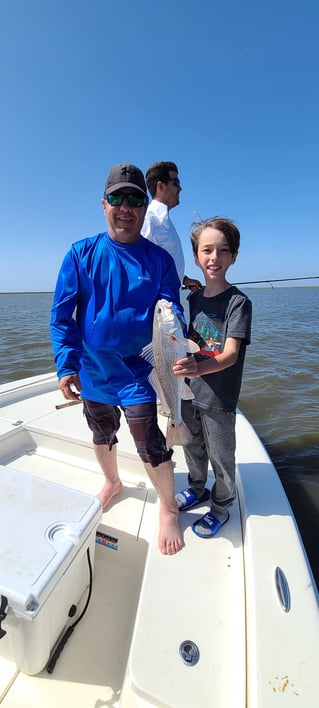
column 212, row 320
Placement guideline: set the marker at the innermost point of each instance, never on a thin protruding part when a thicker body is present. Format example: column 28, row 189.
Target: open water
column 280, row 390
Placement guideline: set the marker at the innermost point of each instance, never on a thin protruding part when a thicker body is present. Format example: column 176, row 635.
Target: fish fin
column 187, row 393
column 192, row 347
column 189, row 345
column 178, row 434
column 147, row 353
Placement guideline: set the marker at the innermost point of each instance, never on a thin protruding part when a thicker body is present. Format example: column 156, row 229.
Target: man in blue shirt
column 102, row 316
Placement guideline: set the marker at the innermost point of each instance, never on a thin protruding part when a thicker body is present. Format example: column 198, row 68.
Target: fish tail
column 178, row 434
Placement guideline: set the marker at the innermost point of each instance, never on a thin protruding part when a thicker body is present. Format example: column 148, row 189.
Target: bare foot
column 108, row 491
column 170, row 539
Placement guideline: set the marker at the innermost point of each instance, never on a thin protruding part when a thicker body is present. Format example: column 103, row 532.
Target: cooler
column 45, row 531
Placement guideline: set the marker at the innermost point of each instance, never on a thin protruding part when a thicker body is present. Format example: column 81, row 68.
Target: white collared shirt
column 160, row 229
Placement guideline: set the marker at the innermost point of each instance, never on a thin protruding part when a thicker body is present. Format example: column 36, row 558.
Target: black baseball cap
column 124, row 175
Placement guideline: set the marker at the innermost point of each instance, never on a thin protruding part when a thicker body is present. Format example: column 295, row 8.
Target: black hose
column 58, row 650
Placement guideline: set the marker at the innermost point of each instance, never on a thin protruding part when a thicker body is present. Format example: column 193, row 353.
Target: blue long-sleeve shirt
column 102, row 315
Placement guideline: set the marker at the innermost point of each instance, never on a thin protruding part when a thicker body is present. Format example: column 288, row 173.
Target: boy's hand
column 186, row 367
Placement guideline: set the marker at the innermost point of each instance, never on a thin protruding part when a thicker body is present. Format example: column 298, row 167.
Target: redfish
column 168, row 345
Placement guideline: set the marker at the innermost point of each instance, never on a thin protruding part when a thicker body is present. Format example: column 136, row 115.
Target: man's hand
column 191, row 284
column 68, row 384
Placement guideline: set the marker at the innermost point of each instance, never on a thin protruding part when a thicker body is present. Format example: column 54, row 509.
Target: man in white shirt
column 164, row 186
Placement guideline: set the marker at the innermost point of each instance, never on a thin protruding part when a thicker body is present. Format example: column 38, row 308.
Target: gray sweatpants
column 214, row 442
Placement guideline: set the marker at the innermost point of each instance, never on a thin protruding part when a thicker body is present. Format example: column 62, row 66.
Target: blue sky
column 228, row 90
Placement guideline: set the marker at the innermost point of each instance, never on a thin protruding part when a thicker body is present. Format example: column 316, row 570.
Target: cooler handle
column 3, row 606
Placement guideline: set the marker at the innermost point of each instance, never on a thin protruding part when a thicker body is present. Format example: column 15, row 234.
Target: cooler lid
column 42, row 527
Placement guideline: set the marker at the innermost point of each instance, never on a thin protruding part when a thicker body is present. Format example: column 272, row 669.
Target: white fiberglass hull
column 256, row 627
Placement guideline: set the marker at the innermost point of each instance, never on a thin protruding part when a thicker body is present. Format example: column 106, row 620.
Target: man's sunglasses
column 175, row 181
column 118, row 199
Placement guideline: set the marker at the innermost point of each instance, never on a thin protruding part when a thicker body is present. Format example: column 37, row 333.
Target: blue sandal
column 187, row 498
column 207, row 526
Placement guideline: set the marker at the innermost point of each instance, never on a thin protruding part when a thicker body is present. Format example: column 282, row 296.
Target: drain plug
column 189, row 652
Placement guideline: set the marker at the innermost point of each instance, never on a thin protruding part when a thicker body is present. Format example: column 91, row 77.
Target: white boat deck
column 218, row 593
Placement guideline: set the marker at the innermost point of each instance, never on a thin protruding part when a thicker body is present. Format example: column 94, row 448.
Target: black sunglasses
column 175, row 181
column 118, row 199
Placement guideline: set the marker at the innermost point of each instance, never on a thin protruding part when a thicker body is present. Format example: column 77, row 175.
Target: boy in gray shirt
column 220, row 323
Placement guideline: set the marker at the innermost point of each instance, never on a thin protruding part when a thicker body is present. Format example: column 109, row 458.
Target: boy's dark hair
column 226, row 226
column 158, row 172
